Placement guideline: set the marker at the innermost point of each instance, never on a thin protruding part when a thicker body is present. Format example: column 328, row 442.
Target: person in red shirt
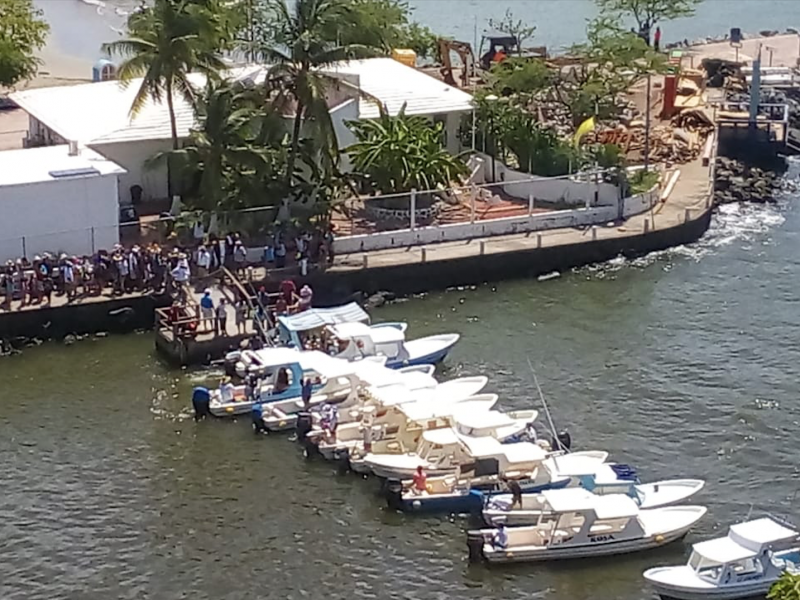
column 657, row 40
column 420, row 481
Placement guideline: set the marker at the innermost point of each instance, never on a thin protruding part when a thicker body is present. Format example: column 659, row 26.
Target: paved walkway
column 691, row 192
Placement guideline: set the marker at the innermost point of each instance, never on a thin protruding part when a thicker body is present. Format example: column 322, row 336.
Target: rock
column 378, row 299
column 69, row 339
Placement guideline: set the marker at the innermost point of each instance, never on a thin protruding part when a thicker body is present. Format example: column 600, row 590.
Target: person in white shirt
column 226, row 390
column 203, row 261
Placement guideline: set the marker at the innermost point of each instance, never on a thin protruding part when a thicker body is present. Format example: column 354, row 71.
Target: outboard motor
column 394, row 494
column 564, row 440
column 475, row 542
column 201, row 398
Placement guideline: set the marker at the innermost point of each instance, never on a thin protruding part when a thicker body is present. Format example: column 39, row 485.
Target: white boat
column 605, row 480
column 280, row 416
column 377, row 399
column 501, row 509
column 401, row 424
column 579, row 524
column 743, row 564
column 356, row 341
column 445, row 451
column 347, row 333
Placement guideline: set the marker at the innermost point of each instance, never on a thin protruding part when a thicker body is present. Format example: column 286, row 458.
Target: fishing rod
column 560, row 446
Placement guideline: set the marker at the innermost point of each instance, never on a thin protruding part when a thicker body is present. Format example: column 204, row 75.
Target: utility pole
column 647, row 127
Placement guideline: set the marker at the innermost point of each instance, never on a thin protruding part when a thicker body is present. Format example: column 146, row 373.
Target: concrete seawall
column 414, row 277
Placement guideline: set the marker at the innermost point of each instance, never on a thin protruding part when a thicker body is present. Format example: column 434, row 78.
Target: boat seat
column 393, row 446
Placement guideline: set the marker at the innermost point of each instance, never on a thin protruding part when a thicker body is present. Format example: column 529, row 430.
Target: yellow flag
column 583, row 129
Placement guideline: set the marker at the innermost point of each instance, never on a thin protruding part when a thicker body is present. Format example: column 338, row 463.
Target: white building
column 55, row 201
column 97, row 115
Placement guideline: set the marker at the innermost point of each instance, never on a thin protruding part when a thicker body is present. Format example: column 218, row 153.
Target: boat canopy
column 424, row 409
column 761, row 532
column 273, row 357
column 523, row 452
column 482, row 446
column 723, row 550
column 315, row 318
column 468, row 422
column 444, row 436
column 608, row 506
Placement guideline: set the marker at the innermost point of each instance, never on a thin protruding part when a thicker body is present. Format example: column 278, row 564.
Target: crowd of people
column 153, row 268
column 119, row 271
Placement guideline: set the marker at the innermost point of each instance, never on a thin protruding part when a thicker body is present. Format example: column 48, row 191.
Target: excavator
column 464, row 52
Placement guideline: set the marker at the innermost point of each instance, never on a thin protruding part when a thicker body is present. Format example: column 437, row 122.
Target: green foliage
column 520, row 76
column 648, row 12
column 513, row 27
column 642, row 181
column 166, row 41
column 22, row 33
column 611, row 61
column 234, row 157
column 509, row 128
column 607, row 156
column 403, row 153
column 298, row 48
column 786, row 588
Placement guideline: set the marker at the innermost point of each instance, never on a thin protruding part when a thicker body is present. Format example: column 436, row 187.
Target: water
column 79, row 27
column 683, row 363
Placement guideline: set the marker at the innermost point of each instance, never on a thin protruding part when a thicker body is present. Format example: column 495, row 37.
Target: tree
column 517, row 75
column 299, row 51
column 647, row 13
column 786, row 588
column 22, row 33
column 167, row 41
column 516, row 28
column 609, row 63
column 403, row 153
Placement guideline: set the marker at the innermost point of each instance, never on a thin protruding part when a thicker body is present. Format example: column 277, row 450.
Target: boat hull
column 583, row 551
column 738, row 592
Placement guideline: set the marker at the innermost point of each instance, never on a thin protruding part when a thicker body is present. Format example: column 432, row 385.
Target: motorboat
column 402, row 424
column 743, row 564
column 281, row 372
column 366, row 375
column 376, row 399
column 465, row 491
column 531, row 466
column 580, row 524
column 500, row 508
column 355, row 341
column 447, row 450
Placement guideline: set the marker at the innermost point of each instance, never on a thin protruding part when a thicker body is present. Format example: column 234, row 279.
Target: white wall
column 546, row 189
column 131, row 156
column 508, row 226
column 340, row 116
column 58, row 216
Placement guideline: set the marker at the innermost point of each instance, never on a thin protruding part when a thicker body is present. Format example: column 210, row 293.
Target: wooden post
column 646, row 225
column 530, row 204
column 413, row 209
column 538, row 240
column 483, row 247
column 424, row 253
column 364, row 260
column 594, row 233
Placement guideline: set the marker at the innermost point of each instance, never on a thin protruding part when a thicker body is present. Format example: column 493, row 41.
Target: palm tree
column 403, row 153
column 167, row 41
column 298, row 52
column 237, row 151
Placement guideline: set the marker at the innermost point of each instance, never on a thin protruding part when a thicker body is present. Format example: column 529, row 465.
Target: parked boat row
column 369, row 399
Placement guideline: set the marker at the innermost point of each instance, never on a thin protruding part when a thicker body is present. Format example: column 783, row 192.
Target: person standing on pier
column 657, row 40
column 207, row 309
column 241, row 316
column 222, row 317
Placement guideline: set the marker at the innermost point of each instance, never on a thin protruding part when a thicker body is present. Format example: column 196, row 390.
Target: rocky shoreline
column 737, row 181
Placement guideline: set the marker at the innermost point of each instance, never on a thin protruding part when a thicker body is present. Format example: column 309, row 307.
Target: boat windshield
column 705, row 568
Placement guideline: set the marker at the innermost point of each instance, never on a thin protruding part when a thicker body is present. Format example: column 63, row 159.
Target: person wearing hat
column 203, row 261
column 239, row 257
